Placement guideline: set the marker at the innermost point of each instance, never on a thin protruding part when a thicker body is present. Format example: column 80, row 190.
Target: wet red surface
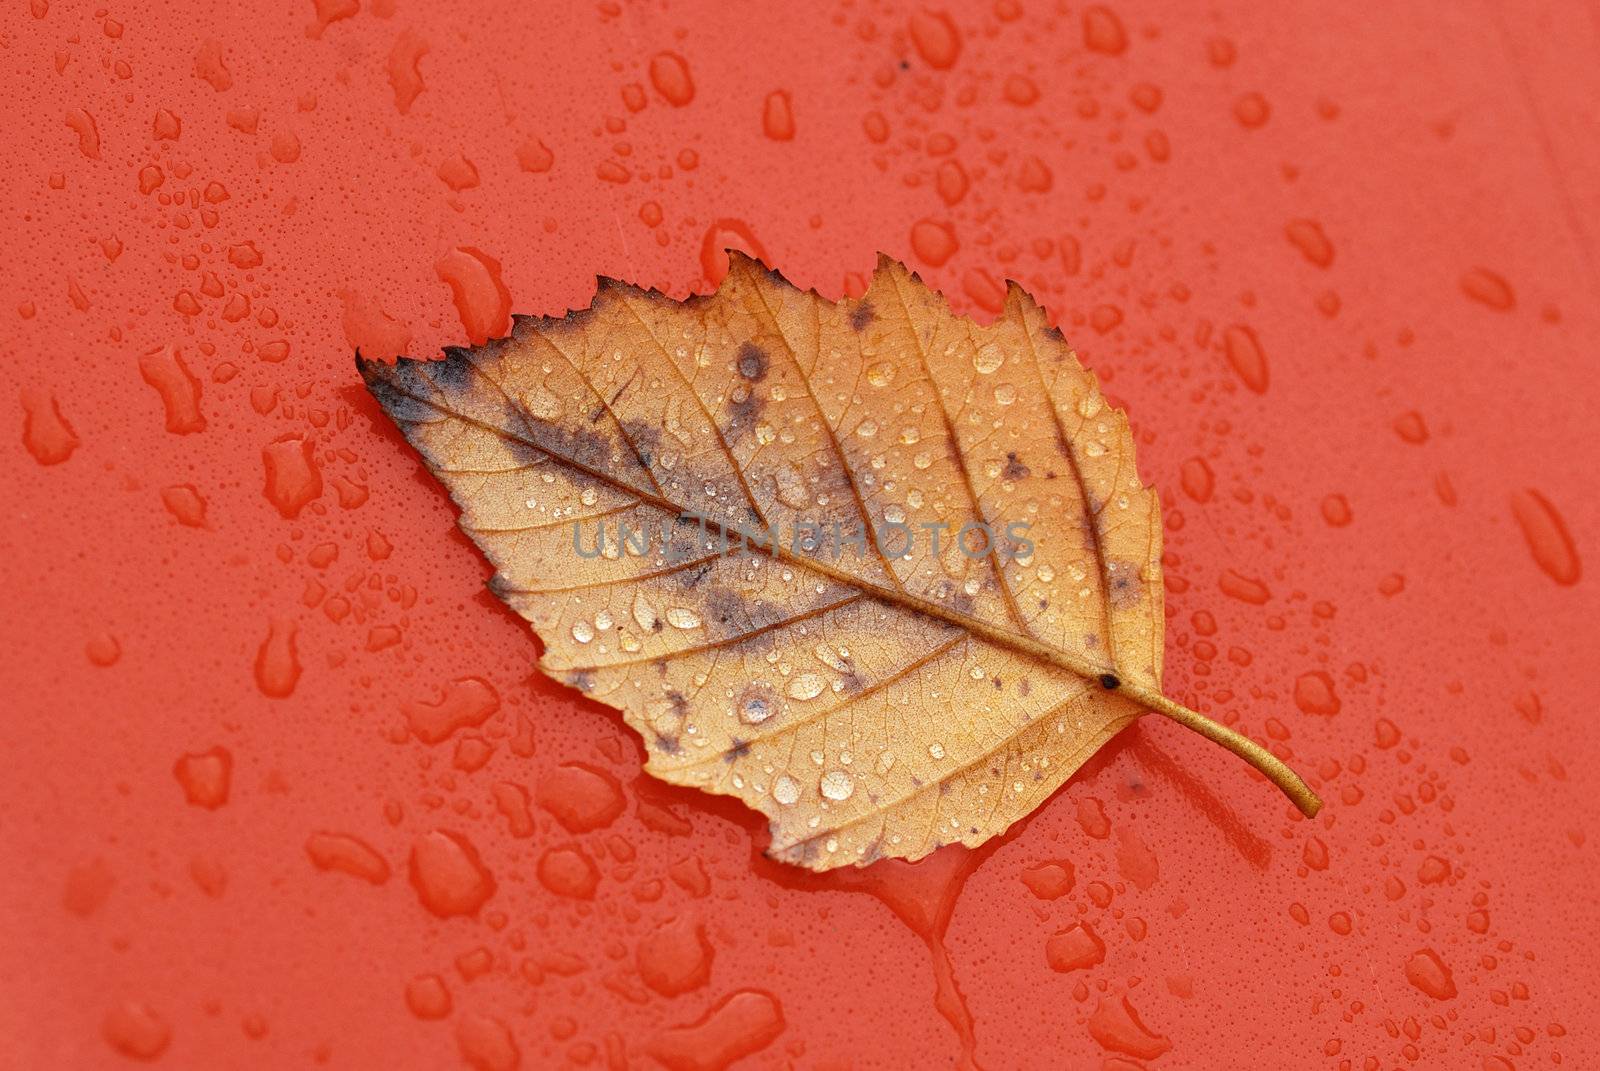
column 282, row 788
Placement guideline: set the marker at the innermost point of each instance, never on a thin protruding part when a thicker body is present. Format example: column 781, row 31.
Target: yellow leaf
column 872, row 691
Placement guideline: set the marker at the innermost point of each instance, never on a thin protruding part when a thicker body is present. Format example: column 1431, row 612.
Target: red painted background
column 262, row 724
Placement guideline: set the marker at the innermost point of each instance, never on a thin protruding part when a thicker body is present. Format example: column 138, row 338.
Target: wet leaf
column 872, row 691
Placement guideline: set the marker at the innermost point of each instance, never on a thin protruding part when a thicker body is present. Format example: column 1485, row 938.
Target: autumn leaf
column 790, row 629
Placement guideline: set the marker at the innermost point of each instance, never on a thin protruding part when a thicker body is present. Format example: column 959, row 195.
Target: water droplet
column 786, row 790
column 683, row 617
column 277, row 666
column 45, row 432
column 1489, row 289
column 135, row 1029
column 933, row 242
column 582, row 798
column 988, row 358
column 205, row 777
column 347, row 855
column 427, row 997
column 756, row 703
column 777, row 116
column 836, row 785
column 1547, row 536
column 675, row 958
column 448, row 876
column 644, row 615
column 669, row 74
column 806, row 686
column 1103, row 32
column 1246, row 357
column 293, row 478
column 1427, row 972
column 1306, row 235
column 1075, row 948
column 568, row 871
column 482, row 300
column 935, row 38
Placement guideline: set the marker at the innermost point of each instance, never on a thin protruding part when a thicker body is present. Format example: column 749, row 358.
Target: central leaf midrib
column 1044, row 652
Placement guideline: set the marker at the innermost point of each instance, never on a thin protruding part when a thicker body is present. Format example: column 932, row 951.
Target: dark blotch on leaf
column 753, row 362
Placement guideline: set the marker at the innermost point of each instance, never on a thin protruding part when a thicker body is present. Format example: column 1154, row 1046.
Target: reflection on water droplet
column 755, row 703
column 837, row 785
column 582, row 632
column 830, row 658
column 682, row 617
column 644, row 614
column 988, row 358
column 805, row 686
column 786, row 790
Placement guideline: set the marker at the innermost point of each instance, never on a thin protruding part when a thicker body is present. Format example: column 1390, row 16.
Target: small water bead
column 756, row 705
column 880, row 374
column 589, row 497
column 1089, row 405
column 834, row 660
column 936, row 750
column 644, row 615
column 867, row 429
column 836, row 785
column 806, row 686
column 582, row 632
column 910, row 436
column 988, row 358
column 602, row 620
column 683, row 617
column 786, row 790
column 922, row 460
column 1005, row 394
column 1095, row 448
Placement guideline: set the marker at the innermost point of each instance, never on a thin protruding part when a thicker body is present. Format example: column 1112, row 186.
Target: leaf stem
column 1247, row 749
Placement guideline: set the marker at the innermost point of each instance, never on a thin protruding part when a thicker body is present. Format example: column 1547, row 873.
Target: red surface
column 1373, row 429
